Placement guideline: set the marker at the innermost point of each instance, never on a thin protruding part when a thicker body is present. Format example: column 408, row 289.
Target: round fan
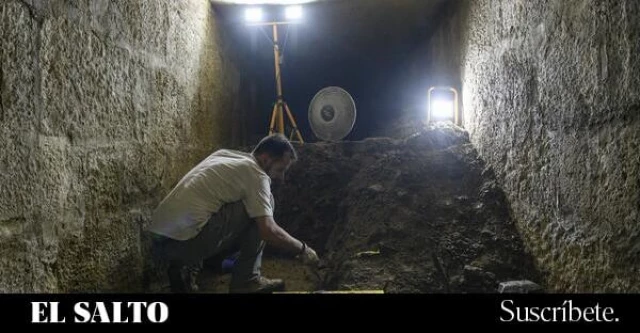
column 332, row 114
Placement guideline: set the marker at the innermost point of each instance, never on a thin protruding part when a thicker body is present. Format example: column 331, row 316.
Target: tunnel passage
column 105, row 105
column 549, row 93
column 550, row 98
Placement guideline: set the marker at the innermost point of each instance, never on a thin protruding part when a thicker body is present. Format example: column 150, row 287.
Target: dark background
column 366, row 50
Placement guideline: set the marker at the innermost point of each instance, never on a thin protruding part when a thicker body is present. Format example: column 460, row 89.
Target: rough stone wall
column 552, row 102
column 104, row 105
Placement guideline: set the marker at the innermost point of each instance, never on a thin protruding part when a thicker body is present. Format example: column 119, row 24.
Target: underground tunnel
column 533, row 185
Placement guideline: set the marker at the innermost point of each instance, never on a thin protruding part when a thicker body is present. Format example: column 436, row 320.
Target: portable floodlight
column 443, row 105
column 253, row 15
column 292, row 15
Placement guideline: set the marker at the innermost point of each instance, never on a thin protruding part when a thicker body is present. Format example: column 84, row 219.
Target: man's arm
column 273, row 234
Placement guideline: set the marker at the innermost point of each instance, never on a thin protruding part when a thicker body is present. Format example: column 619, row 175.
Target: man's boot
column 176, row 281
column 191, row 277
column 257, row 285
column 183, row 279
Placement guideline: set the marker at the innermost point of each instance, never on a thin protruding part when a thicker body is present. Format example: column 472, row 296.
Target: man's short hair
column 275, row 145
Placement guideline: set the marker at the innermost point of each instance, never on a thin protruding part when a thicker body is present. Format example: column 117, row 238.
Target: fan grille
column 332, row 114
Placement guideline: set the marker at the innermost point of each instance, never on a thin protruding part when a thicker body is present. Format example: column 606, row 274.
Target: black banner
column 323, row 311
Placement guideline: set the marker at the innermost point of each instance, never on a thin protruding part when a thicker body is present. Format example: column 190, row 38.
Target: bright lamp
column 442, row 110
column 293, row 12
column 253, row 14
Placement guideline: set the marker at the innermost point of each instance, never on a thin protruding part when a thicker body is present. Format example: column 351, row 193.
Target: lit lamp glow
column 253, row 15
column 441, row 110
column 443, row 105
column 293, row 12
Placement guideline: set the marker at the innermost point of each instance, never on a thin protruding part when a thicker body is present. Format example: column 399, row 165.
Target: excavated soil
column 416, row 215
column 422, row 214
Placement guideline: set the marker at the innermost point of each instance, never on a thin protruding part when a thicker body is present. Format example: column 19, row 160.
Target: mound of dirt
column 416, row 215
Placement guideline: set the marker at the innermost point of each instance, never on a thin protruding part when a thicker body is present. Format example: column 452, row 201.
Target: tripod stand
column 281, row 106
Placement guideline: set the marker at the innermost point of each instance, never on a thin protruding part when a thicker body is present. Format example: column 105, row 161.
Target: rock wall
column 551, row 93
column 104, row 105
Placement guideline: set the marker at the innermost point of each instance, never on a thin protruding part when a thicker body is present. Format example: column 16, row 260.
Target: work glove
column 309, row 256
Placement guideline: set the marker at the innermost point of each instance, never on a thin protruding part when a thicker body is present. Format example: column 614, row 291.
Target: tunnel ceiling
column 339, row 29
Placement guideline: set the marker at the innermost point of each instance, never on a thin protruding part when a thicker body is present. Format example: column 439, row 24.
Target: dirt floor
column 415, row 215
column 213, row 281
